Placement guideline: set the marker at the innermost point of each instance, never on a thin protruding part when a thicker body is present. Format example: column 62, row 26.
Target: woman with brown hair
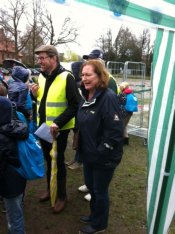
column 101, row 141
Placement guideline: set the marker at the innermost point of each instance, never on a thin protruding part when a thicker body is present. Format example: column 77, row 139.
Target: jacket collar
column 58, row 70
column 98, row 93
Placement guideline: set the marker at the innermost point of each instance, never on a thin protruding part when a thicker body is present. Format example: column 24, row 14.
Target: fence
column 134, row 73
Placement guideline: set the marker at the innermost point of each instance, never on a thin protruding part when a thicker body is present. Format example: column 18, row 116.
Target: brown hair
column 3, row 90
column 100, row 70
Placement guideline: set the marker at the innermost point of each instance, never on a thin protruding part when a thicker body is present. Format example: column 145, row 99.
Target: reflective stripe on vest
column 56, row 101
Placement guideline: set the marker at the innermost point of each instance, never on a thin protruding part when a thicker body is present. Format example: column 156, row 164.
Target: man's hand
column 34, row 89
column 54, row 129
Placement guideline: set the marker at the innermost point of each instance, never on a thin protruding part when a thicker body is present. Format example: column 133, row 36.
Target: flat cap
column 48, row 49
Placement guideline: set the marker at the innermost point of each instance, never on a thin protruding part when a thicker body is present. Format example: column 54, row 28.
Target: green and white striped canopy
column 161, row 138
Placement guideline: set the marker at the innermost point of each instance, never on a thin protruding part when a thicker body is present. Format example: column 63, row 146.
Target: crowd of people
column 87, row 101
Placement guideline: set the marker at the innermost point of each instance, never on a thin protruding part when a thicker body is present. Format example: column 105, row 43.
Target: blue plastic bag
column 131, row 103
column 31, row 156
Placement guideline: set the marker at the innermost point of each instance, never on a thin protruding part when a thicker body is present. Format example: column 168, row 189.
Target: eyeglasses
column 42, row 58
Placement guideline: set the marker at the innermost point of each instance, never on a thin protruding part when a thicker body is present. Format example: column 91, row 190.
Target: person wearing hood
column 57, row 104
column 124, row 91
column 12, row 184
column 18, row 91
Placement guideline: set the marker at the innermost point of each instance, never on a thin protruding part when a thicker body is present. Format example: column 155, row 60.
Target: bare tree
column 28, row 51
column 105, row 43
column 38, row 25
column 146, row 49
column 127, row 47
column 10, row 20
column 67, row 34
column 34, row 18
column 43, row 31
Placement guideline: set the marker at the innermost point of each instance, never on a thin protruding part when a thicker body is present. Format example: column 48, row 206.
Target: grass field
column 127, row 198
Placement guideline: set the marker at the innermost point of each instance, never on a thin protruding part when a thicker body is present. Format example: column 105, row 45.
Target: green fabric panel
column 169, row 168
column 134, row 11
column 150, row 16
column 153, row 122
column 164, row 129
column 167, row 184
column 170, row 1
column 97, row 3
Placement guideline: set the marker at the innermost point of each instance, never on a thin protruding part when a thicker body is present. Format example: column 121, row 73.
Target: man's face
column 46, row 62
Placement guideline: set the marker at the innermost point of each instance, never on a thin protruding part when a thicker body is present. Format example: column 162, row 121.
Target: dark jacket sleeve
column 72, row 96
column 21, row 104
column 16, row 129
column 112, row 84
column 9, row 133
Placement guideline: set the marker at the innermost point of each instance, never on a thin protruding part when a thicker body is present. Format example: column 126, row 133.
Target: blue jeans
column 97, row 180
column 14, row 213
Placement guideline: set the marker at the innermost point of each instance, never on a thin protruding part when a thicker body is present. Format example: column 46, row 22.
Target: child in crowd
column 124, row 91
column 12, row 184
column 18, row 91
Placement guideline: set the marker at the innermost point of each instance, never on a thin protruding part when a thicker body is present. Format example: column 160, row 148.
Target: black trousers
column 61, row 147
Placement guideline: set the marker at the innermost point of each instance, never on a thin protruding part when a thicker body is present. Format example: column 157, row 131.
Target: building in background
column 7, row 47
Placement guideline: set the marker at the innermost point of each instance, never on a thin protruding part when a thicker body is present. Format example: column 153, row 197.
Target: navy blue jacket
column 12, row 183
column 18, row 93
column 101, row 130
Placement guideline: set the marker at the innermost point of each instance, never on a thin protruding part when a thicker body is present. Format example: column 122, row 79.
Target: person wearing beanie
column 12, row 184
column 18, row 91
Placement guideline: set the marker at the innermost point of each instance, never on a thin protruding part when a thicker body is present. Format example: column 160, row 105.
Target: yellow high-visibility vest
column 56, row 101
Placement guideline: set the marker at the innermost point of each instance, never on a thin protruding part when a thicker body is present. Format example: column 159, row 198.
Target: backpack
column 131, row 103
column 31, row 156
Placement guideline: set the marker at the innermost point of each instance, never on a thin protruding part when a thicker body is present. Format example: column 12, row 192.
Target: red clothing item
column 127, row 90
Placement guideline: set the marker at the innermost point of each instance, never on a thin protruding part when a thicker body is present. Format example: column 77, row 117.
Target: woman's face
column 89, row 78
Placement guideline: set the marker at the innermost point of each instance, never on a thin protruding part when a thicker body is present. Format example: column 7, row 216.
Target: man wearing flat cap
column 57, row 104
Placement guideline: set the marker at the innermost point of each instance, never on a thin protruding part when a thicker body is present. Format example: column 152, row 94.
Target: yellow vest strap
column 50, row 118
column 56, row 104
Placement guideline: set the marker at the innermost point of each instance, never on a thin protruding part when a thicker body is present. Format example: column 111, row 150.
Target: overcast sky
column 92, row 22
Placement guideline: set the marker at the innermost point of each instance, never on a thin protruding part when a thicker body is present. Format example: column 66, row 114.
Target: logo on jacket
column 116, row 118
column 92, row 112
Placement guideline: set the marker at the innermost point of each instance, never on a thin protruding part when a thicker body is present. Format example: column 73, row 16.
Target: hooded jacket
column 122, row 100
column 11, row 183
column 101, row 130
column 18, row 91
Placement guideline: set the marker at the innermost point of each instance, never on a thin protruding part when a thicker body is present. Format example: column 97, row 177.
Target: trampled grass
column 127, row 198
